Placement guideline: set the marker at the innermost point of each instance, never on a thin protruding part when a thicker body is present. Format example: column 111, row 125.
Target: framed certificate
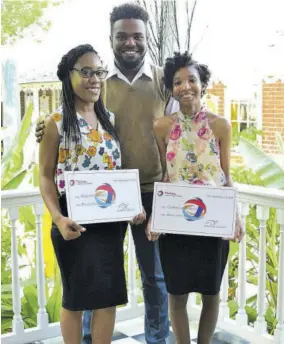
column 194, row 210
column 103, row 196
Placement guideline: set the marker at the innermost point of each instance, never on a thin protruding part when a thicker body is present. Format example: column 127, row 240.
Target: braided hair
column 70, row 125
column 173, row 64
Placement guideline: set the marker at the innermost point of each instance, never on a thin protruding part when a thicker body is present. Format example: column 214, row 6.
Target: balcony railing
column 262, row 198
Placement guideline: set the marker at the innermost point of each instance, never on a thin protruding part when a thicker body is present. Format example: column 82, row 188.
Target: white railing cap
column 16, row 198
column 247, row 193
column 261, row 195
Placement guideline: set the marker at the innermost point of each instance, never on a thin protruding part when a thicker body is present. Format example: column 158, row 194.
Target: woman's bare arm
column 225, row 142
column 224, row 133
column 48, row 153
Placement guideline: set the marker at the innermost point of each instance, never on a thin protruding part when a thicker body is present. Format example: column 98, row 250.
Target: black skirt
column 193, row 263
column 91, row 266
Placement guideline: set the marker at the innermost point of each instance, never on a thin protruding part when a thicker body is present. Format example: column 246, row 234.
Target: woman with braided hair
column 81, row 136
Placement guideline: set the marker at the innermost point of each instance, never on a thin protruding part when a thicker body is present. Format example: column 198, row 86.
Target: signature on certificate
column 124, row 207
column 213, row 224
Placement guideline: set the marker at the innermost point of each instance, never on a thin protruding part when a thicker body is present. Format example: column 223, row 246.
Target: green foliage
column 12, row 168
column 16, row 16
column 260, row 170
column 265, row 168
column 251, row 134
column 252, row 251
column 13, row 173
column 280, row 142
column 54, row 302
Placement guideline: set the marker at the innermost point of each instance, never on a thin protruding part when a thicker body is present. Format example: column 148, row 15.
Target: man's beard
column 128, row 64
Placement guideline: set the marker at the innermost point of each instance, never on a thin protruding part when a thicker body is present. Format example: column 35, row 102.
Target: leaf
column 20, row 137
column 12, row 162
column 267, row 169
column 27, row 217
column 234, row 249
column 17, row 16
column 6, row 324
column 15, row 182
column 36, row 175
column 280, row 142
column 6, row 312
column 252, row 314
column 53, row 305
column 30, row 295
column 233, row 306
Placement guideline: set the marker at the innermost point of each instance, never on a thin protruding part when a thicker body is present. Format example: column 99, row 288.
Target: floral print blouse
column 193, row 154
column 97, row 150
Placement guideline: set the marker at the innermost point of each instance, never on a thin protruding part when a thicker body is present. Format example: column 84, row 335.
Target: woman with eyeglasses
column 81, row 136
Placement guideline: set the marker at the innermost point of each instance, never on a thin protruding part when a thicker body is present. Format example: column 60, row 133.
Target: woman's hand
column 140, row 218
column 151, row 236
column 69, row 229
column 239, row 231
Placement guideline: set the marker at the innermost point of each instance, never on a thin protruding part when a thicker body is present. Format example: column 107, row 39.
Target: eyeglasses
column 89, row 72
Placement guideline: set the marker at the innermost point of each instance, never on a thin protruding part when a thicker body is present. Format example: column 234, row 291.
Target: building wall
column 218, row 89
column 272, row 114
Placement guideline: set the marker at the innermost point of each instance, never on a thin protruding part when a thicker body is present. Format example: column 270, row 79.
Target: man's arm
column 160, row 129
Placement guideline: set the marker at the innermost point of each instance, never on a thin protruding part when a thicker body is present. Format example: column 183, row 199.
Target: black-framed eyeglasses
column 89, row 72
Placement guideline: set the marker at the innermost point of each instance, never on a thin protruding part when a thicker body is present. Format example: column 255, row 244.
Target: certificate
column 194, row 210
column 103, row 196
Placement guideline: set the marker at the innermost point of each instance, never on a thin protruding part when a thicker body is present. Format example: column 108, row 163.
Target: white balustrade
column 262, row 214
column 224, row 312
column 18, row 324
column 241, row 316
column 12, row 200
column 132, row 295
column 279, row 332
column 42, row 316
column 263, row 198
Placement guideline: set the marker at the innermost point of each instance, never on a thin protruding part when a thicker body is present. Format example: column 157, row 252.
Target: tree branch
column 176, row 32
column 189, row 25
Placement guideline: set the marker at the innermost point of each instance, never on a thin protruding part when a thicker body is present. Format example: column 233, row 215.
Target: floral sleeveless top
column 193, row 154
column 97, row 151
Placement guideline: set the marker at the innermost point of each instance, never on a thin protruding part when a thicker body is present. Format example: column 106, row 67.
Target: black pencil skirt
column 91, row 266
column 193, row 263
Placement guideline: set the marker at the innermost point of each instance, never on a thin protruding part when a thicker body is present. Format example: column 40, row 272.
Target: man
column 135, row 93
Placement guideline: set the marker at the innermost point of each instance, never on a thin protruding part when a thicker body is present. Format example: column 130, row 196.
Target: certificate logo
column 73, row 182
column 194, row 209
column 105, row 195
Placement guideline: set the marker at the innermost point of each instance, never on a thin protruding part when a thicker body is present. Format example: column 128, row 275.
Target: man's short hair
column 128, row 11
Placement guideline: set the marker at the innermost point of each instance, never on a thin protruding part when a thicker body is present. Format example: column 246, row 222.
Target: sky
column 239, row 41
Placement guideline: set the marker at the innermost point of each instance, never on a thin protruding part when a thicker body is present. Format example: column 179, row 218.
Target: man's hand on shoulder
column 39, row 130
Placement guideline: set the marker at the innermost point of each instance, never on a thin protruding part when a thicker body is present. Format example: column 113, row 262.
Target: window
column 243, row 117
column 57, row 99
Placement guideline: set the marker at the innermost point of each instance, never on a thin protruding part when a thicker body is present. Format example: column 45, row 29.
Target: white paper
column 103, row 196
column 194, row 210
